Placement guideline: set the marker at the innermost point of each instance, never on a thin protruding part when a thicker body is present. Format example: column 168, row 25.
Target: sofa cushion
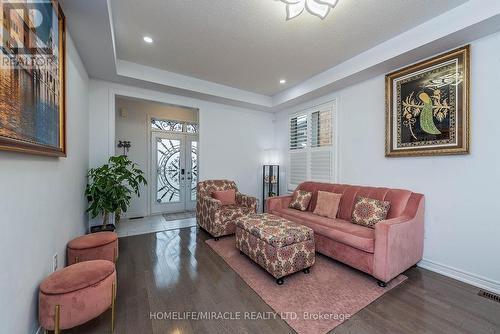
column 227, row 197
column 399, row 201
column 300, row 200
column 340, row 230
column 232, row 212
column 397, row 197
column 207, row 187
column 327, row 204
column 368, row 212
column 314, row 187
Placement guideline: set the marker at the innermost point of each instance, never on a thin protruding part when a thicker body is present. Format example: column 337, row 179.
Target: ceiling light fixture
column 320, row 8
column 282, row 81
column 147, row 39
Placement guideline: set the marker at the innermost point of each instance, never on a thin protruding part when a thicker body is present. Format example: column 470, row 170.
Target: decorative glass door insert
column 194, row 169
column 168, row 170
column 175, row 171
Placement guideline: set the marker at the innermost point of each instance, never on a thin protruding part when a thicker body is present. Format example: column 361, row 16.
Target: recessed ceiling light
column 282, row 81
column 147, row 39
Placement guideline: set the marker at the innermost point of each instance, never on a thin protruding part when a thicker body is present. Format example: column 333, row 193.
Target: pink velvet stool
column 95, row 246
column 76, row 294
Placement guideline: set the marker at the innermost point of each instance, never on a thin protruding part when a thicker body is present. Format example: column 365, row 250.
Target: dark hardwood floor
column 176, row 271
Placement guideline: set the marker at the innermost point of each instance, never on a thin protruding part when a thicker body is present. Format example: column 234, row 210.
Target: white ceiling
column 248, row 44
column 236, row 54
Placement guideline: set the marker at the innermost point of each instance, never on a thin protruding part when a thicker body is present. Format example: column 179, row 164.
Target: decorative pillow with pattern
column 300, row 200
column 368, row 211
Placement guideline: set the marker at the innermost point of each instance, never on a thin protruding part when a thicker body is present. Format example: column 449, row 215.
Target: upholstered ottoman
column 76, row 294
column 95, row 246
column 278, row 245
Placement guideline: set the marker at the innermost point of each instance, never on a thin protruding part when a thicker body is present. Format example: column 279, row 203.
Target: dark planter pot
column 103, row 228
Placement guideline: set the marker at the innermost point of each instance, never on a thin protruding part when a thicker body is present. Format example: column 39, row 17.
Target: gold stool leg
column 57, row 316
column 113, row 297
column 77, row 259
column 115, row 257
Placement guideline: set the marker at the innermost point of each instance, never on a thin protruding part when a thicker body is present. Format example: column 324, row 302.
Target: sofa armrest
column 208, row 212
column 248, row 201
column 399, row 242
column 212, row 202
column 279, row 202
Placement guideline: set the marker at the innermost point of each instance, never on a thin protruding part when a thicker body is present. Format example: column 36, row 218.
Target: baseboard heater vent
column 132, row 218
column 489, row 295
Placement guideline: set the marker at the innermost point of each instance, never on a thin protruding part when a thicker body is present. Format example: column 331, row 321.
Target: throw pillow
column 227, row 197
column 300, row 200
column 327, row 204
column 369, row 211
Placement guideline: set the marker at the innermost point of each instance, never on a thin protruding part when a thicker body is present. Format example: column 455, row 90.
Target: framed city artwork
column 32, row 77
column 428, row 107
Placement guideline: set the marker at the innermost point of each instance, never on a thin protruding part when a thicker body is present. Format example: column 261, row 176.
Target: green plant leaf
column 110, row 186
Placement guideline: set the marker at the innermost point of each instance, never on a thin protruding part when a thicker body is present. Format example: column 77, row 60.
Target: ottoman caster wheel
column 306, row 271
column 279, row 281
column 381, row 284
column 216, row 238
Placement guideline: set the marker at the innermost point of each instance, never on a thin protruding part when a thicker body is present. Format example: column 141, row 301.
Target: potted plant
column 130, row 177
column 110, row 189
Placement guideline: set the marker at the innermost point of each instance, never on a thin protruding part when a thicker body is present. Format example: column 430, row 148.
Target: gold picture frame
column 428, row 107
column 33, row 112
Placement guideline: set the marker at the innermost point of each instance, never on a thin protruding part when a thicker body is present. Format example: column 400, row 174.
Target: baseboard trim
column 460, row 275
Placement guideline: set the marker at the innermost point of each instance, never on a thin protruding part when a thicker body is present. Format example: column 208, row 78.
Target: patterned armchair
column 216, row 219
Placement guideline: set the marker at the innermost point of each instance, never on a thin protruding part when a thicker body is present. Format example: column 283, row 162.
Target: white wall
column 42, row 207
column 232, row 139
column 462, row 228
column 136, row 128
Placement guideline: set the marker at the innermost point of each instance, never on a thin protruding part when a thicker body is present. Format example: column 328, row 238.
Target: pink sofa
column 384, row 252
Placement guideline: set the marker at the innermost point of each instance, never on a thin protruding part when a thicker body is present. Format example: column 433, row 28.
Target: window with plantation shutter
column 311, row 152
column 298, row 132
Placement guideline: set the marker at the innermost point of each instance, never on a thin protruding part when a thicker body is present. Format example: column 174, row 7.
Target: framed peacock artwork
column 428, row 107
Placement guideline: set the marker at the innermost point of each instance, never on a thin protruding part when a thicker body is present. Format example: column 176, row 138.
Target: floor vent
column 489, row 295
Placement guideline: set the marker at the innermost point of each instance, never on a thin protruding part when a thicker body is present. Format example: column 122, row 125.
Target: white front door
column 191, row 170
column 174, row 171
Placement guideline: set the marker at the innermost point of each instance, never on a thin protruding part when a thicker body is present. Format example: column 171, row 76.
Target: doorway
column 174, row 147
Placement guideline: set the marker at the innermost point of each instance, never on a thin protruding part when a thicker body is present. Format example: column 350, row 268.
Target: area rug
column 179, row 215
column 311, row 304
